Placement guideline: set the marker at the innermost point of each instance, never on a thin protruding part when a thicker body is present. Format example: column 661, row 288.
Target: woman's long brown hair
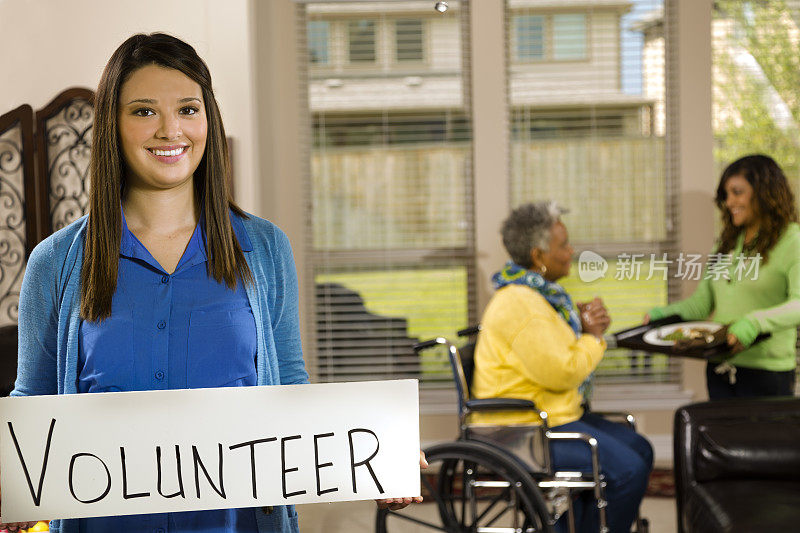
column 772, row 198
column 107, row 168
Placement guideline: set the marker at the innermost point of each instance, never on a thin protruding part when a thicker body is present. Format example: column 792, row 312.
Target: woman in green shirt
column 752, row 282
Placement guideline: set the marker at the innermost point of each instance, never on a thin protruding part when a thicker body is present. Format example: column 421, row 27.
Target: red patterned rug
column 661, row 484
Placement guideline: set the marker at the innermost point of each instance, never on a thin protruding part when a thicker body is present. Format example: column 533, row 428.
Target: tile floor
column 359, row 517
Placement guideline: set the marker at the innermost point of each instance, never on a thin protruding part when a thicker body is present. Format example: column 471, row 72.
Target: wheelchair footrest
column 566, row 483
column 491, row 484
column 570, row 480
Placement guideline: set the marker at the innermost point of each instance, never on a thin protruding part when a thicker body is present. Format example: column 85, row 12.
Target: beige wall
column 49, row 45
column 282, row 121
column 491, row 139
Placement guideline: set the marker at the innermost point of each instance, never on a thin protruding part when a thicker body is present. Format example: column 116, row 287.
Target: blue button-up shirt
column 170, row 331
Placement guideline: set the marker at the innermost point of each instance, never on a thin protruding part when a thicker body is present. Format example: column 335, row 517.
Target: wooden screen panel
column 18, row 220
column 64, row 142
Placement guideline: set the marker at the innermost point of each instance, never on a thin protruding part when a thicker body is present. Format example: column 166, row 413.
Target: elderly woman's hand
column 395, row 504
column 594, row 317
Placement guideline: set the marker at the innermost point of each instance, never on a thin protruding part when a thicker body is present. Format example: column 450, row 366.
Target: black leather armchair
column 737, row 466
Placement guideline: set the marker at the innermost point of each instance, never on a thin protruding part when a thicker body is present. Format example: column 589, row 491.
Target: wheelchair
column 497, row 479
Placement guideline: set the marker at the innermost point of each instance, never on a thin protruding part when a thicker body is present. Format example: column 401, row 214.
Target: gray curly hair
column 528, row 227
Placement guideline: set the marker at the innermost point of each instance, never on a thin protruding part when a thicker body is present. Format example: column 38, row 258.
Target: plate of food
column 668, row 335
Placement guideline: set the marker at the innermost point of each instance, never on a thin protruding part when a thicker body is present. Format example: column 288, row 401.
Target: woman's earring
column 544, row 270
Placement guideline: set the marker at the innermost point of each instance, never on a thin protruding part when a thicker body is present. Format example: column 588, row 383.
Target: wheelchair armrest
column 501, row 404
column 504, row 404
column 618, row 416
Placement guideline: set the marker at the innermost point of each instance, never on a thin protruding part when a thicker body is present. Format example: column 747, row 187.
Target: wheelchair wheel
column 471, row 487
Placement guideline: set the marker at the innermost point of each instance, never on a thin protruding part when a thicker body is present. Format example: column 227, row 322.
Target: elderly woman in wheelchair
column 536, row 344
column 529, row 456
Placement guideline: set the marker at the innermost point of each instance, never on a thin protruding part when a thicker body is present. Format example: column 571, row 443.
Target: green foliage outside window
column 756, row 82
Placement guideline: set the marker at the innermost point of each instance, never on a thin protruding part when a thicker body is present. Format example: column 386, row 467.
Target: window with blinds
column 586, row 90
column 755, row 76
column 389, row 187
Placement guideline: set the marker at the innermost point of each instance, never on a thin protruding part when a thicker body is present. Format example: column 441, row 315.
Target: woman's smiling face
column 162, row 127
column 739, row 201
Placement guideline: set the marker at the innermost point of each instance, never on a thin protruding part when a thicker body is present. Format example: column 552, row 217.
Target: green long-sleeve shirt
column 766, row 303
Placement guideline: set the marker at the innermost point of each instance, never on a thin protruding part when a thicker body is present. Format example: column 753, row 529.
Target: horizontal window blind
column 587, row 99
column 568, row 122
column 389, row 187
column 368, row 318
column 353, row 130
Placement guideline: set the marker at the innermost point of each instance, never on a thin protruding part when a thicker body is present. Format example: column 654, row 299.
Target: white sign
column 122, row 453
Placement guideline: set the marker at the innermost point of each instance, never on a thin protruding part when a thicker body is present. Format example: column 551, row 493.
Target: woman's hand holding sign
column 395, row 504
column 16, row 526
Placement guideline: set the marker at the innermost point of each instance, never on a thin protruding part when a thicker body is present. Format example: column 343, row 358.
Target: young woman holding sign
column 166, row 283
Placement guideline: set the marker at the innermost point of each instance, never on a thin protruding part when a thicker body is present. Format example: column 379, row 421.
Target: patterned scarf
column 556, row 296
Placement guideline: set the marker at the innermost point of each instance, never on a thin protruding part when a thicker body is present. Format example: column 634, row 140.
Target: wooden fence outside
column 418, row 196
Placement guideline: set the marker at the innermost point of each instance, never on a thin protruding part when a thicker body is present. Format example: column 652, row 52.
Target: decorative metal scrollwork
column 12, row 223
column 69, row 142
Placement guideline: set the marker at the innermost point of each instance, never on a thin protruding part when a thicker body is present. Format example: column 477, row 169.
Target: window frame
column 607, row 249
column 635, row 395
column 322, row 260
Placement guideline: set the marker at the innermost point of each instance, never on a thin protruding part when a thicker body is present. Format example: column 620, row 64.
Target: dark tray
column 632, row 338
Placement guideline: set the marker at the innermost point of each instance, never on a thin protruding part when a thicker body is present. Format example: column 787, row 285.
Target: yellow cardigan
column 526, row 350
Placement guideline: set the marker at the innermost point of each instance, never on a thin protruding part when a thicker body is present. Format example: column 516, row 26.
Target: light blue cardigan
column 49, row 317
